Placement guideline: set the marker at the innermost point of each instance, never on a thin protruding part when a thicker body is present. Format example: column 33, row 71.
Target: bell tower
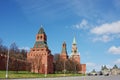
column 41, row 36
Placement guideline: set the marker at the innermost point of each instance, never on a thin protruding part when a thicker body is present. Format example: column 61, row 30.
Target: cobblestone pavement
column 117, row 77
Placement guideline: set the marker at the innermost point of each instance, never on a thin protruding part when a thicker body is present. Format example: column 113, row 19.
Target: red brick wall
column 83, row 68
column 13, row 64
column 2, row 62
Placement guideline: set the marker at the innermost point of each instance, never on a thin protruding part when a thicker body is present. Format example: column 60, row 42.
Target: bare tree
column 56, row 57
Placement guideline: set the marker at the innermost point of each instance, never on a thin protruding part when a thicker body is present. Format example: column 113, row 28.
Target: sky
column 94, row 23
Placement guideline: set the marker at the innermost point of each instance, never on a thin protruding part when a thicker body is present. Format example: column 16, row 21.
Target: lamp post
column 75, row 68
column 64, row 68
column 7, row 64
column 46, row 67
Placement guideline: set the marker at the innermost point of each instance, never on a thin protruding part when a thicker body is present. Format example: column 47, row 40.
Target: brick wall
column 14, row 64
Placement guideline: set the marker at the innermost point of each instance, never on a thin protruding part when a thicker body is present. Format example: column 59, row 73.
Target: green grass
column 25, row 74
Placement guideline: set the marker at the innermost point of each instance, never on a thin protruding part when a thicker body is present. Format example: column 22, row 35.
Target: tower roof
column 64, row 48
column 40, row 44
column 74, row 41
column 41, row 31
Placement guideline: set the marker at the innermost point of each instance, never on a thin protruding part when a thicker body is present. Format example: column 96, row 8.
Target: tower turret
column 64, row 54
column 41, row 39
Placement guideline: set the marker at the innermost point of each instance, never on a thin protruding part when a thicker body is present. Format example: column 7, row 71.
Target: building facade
column 40, row 55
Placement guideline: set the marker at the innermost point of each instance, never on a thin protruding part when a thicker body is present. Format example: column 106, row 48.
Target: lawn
column 25, row 74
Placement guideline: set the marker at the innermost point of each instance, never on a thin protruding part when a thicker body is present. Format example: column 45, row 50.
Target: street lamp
column 64, row 68
column 46, row 66
column 7, row 64
column 75, row 68
column 45, row 70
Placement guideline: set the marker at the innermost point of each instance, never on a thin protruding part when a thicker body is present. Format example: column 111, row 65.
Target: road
column 117, row 77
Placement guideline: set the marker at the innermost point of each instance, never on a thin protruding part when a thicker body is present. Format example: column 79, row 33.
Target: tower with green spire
column 74, row 53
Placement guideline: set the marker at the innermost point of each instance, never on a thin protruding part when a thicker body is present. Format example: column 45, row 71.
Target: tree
column 59, row 66
column 104, row 67
column 3, row 49
column 13, row 50
column 56, row 57
column 18, row 56
column 93, row 71
column 115, row 67
column 17, row 65
column 69, row 65
column 23, row 53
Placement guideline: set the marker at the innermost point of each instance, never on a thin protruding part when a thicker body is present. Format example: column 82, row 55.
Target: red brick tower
column 64, row 55
column 40, row 56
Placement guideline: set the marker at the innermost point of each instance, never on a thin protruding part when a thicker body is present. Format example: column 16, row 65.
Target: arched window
column 37, row 37
column 40, row 37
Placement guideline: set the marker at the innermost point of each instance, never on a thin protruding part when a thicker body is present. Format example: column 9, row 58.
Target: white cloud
column 114, row 50
column 113, row 28
column 103, row 38
column 90, row 64
column 117, row 61
column 82, row 25
column 106, row 32
column 25, row 48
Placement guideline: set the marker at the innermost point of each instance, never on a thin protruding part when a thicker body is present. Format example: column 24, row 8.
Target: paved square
column 117, row 77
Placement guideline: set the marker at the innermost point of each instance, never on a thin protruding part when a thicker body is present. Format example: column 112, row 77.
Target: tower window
column 42, row 49
column 40, row 37
column 37, row 37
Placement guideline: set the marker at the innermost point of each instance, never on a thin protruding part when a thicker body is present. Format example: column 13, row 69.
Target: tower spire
column 74, row 41
column 41, row 30
column 64, row 54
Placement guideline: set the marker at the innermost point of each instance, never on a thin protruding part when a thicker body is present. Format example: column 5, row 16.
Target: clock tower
column 74, row 53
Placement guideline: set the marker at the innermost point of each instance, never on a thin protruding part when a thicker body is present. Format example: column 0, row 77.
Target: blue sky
column 94, row 23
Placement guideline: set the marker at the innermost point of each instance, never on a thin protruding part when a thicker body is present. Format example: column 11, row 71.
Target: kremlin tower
column 40, row 55
column 75, row 56
column 74, row 53
column 64, row 55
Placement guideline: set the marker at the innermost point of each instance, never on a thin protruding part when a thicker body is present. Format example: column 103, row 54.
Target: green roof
column 40, row 44
column 74, row 41
column 41, row 31
column 64, row 50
